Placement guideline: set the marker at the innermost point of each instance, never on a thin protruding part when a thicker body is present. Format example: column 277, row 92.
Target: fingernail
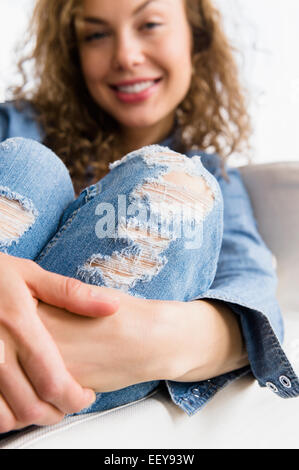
column 90, row 396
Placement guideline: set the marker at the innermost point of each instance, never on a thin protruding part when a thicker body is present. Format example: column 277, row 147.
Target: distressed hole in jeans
column 177, row 193
column 122, row 270
column 140, row 262
column 169, row 194
column 14, row 220
column 173, row 159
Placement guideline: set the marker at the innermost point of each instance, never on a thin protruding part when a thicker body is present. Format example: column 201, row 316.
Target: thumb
column 71, row 294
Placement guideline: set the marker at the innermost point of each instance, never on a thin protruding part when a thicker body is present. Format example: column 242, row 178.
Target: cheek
column 92, row 67
column 177, row 55
column 179, row 66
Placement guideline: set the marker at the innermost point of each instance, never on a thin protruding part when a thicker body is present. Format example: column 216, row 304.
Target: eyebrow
column 94, row 20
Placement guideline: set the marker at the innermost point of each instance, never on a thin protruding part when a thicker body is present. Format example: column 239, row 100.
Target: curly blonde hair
column 212, row 116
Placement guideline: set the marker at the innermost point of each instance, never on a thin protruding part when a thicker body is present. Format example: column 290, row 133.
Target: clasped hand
column 35, row 385
column 61, row 344
column 113, row 352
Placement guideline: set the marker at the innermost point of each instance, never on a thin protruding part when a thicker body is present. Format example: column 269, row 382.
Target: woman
column 187, row 297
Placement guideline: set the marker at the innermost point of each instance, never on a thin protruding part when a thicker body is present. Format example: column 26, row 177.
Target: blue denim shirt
column 245, row 281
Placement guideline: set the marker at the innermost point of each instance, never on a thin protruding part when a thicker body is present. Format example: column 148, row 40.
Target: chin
column 138, row 123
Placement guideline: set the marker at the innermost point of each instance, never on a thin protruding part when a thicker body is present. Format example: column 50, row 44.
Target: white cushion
column 274, row 193
column 243, row 415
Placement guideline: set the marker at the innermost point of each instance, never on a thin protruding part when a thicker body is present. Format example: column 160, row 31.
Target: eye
column 95, row 36
column 151, row 25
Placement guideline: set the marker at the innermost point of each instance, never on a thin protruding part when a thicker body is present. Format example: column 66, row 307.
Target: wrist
column 208, row 341
column 227, row 349
column 159, row 341
column 174, row 356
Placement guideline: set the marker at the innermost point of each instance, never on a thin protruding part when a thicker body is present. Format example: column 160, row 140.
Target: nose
column 127, row 52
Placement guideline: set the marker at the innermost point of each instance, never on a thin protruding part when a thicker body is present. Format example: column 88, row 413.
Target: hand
column 111, row 353
column 35, row 386
column 148, row 340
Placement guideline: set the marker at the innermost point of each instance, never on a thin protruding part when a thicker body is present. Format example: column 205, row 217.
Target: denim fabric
column 183, row 268
column 182, row 261
column 41, row 182
column 245, row 279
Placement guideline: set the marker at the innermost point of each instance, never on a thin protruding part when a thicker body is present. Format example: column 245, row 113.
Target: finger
column 40, row 357
column 22, row 400
column 45, row 368
column 8, row 421
column 72, row 294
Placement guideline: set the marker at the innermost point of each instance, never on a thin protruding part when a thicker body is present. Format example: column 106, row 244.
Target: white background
column 267, row 34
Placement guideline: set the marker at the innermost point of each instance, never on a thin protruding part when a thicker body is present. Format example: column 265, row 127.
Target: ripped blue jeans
column 151, row 227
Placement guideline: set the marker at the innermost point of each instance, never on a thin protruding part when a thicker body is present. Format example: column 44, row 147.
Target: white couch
column 243, row 415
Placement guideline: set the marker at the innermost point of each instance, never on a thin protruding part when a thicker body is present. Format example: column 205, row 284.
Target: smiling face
column 128, row 40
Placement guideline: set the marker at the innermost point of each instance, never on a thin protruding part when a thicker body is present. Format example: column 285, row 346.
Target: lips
column 127, row 97
column 135, row 82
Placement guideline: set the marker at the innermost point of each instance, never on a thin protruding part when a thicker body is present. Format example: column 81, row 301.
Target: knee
column 17, row 215
column 30, row 174
column 182, row 193
column 27, row 157
column 181, row 188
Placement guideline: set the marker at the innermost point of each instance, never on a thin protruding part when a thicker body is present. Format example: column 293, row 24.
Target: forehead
column 111, row 12
column 132, row 7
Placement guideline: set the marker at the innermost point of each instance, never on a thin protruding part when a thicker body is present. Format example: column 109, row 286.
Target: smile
column 138, row 92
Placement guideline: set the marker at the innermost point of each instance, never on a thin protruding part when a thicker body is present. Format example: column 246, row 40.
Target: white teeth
column 136, row 88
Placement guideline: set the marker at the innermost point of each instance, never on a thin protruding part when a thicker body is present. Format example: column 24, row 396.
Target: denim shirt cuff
column 268, row 362
column 193, row 396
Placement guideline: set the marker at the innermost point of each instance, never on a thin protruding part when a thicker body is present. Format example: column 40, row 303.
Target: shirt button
column 272, row 387
column 285, row 381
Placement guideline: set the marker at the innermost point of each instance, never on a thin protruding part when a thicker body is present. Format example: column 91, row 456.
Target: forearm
column 211, row 341
column 148, row 340
column 112, row 352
